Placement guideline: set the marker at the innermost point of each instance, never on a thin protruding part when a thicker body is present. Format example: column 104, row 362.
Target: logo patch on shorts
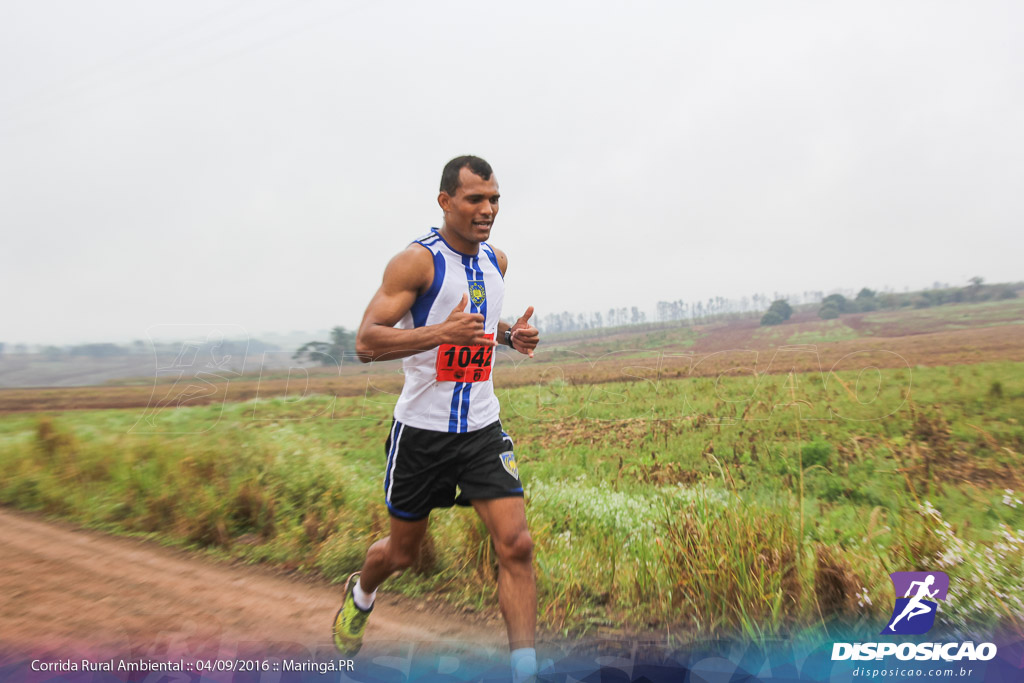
column 508, row 461
column 477, row 292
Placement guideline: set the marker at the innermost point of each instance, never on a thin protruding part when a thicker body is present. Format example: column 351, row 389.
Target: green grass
column 823, row 332
column 810, row 333
column 629, row 345
column 758, row 506
column 955, row 316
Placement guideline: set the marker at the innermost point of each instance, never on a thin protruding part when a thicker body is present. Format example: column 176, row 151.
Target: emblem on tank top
column 477, row 292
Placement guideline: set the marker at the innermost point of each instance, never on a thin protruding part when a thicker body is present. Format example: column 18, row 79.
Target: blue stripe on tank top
column 421, row 307
column 463, row 421
column 492, row 258
column 480, row 276
column 453, row 414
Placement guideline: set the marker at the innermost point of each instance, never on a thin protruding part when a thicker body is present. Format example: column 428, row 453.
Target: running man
column 914, row 606
column 438, row 308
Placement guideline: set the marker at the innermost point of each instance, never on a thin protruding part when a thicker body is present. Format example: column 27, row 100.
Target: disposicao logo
column 914, row 613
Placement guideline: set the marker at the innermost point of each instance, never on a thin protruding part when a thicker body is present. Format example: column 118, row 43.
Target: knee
column 516, row 548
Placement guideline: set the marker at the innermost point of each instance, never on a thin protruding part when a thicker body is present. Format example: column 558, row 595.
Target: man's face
column 470, row 213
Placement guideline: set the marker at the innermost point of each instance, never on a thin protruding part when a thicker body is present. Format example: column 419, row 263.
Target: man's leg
column 393, row 553
column 384, row 557
column 505, row 519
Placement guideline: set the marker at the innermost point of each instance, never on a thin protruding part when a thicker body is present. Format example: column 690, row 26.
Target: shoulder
column 500, row 257
column 411, row 268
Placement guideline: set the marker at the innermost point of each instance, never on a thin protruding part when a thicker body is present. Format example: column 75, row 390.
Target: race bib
column 464, row 363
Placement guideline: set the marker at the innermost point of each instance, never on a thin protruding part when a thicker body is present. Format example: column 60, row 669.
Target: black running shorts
column 425, row 467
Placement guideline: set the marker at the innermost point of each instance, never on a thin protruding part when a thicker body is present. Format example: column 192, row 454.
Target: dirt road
column 68, row 590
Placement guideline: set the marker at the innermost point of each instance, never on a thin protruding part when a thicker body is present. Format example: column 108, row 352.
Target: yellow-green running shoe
column 350, row 621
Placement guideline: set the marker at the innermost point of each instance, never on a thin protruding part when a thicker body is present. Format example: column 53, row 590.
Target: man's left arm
column 525, row 336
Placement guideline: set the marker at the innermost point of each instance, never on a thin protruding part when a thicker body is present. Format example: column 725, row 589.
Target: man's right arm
column 406, row 276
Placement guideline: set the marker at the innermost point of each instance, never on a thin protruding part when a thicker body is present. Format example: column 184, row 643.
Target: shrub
column 782, row 307
column 865, row 293
column 834, row 304
column 837, row 300
column 772, row 318
column 866, row 300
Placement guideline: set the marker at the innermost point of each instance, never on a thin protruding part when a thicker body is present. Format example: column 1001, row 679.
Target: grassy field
column 752, row 504
column 940, row 318
column 946, row 335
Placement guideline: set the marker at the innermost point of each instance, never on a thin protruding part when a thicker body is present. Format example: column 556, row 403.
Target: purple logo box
column 901, row 582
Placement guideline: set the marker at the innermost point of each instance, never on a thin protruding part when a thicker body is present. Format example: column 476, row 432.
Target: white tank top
column 449, row 389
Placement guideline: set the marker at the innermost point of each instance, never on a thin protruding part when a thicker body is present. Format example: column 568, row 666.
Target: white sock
column 524, row 664
column 364, row 600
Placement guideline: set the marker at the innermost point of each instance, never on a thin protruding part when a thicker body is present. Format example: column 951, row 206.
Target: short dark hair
column 450, row 174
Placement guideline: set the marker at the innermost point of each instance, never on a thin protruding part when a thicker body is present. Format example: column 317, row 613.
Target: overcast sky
column 256, row 163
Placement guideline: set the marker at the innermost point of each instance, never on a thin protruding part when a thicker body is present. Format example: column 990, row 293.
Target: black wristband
column 508, row 338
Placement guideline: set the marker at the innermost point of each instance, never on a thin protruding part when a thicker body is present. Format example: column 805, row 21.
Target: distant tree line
column 866, row 300
column 835, row 305
column 139, row 347
column 664, row 311
column 569, row 322
column 779, row 308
